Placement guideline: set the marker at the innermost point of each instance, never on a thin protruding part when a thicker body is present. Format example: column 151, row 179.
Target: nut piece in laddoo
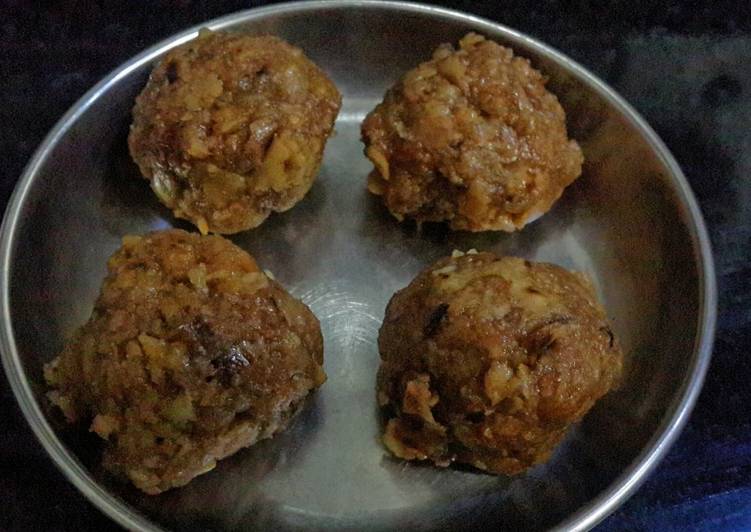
column 231, row 127
column 471, row 137
column 190, row 354
column 488, row 360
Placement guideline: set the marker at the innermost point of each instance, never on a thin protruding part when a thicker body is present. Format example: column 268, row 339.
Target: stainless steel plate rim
column 586, row 517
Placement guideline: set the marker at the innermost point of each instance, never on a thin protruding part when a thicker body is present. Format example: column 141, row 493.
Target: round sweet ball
column 190, row 354
column 231, row 127
column 472, row 138
column 488, row 360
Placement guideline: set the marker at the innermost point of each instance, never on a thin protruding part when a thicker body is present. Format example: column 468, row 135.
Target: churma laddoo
column 232, row 127
column 488, row 360
column 471, row 137
column 190, row 354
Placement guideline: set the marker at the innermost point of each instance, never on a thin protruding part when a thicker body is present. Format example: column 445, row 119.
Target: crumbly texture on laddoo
column 471, row 137
column 190, row 354
column 231, row 127
column 488, row 360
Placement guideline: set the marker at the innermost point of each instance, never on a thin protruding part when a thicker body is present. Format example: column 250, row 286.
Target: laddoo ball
column 190, row 354
column 472, row 138
column 488, row 361
column 232, row 127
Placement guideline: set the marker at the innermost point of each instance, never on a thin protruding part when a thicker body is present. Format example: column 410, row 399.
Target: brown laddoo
column 488, row 360
column 190, row 354
column 231, row 127
column 471, row 137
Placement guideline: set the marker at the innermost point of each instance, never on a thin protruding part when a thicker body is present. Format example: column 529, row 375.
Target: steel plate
column 630, row 222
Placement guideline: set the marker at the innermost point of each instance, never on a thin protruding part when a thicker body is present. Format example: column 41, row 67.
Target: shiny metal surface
column 630, row 222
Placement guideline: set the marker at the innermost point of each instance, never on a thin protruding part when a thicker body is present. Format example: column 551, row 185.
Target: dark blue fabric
column 686, row 66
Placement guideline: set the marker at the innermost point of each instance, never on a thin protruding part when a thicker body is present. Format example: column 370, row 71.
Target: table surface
column 683, row 65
